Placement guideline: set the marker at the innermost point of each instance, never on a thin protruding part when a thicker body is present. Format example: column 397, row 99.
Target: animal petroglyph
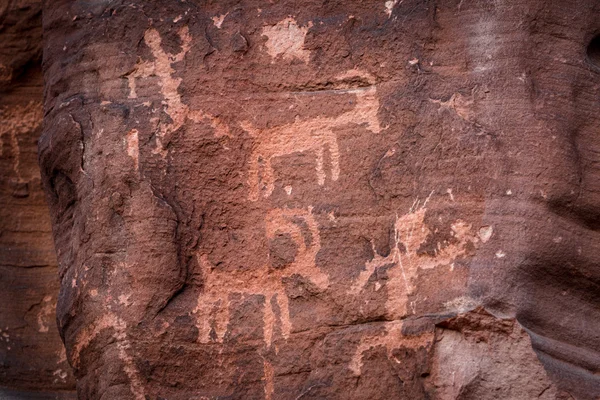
column 391, row 338
column 213, row 304
column 161, row 67
column 312, row 135
column 410, row 232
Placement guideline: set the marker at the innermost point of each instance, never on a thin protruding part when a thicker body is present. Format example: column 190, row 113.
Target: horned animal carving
column 213, row 304
column 312, row 135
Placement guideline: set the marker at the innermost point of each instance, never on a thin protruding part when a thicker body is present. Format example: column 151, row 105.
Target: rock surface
column 325, row 199
column 33, row 361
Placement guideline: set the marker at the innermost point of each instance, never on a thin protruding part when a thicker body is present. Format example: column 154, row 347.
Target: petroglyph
column 212, row 310
column 286, row 39
column 389, row 7
column 111, row 321
column 390, row 338
column 133, row 150
column 60, row 374
column 410, row 232
column 218, row 20
column 161, row 67
column 15, row 121
column 45, row 314
column 353, row 74
column 269, row 379
column 312, row 135
column 458, row 104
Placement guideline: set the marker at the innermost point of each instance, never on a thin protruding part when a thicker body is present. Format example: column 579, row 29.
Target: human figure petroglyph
column 311, row 135
column 213, row 304
column 410, row 232
column 161, row 67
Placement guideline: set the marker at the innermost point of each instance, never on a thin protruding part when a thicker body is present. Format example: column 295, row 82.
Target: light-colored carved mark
column 286, row 39
column 212, row 309
column 16, row 121
column 61, row 355
column 133, row 147
column 5, row 337
column 218, row 20
column 390, row 338
column 161, row 67
column 485, row 233
column 269, row 378
column 389, row 7
column 411, row 232
column 353, row 74
column 312, row 135
column 60, row 375
column 111, row 321
column 46, row 311
column 458, row 104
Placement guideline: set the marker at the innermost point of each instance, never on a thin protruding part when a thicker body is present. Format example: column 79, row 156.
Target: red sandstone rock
column 33, row 361
column 349, row 199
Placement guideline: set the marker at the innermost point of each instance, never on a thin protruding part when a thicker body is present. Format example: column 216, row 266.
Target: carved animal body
column 312, row 135
column 213, row 304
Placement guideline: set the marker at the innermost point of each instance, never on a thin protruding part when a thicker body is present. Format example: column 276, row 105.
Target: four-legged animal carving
column 312, row 135
column 213, row 304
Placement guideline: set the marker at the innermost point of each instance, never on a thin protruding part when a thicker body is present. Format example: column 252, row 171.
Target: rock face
column 325, row 199
column 32, row 356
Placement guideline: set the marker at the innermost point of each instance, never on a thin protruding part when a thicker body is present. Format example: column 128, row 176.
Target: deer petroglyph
column 311, row 135
column 213, row 304
column 410, row 232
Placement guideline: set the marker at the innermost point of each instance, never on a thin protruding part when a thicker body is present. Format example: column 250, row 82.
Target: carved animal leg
column 334, row 153
column 253, row 182
column 202, row 312
column 284, row 313
column 268, row 320
column 320, row 169
column 222, row 319
column 268, row 177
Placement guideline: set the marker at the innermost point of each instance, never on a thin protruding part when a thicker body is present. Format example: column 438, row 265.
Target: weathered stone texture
column 33, row 362
column 325, row 199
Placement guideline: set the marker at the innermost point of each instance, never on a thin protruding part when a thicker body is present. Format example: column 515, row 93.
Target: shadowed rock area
column 305, row 199
column 33, row 361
